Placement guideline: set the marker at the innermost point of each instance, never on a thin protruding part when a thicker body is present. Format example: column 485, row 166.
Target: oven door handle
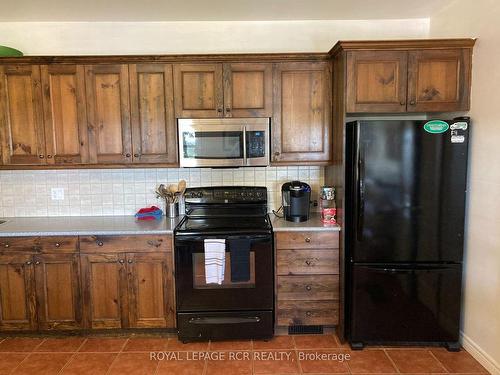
column 253, row 237
column 225, row 320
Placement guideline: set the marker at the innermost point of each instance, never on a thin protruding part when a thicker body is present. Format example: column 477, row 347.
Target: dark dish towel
column 239, row 249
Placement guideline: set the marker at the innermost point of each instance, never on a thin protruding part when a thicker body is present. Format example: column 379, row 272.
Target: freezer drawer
column 405, row 303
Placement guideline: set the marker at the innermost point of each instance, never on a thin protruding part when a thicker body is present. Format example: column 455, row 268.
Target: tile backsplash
column 100, row 192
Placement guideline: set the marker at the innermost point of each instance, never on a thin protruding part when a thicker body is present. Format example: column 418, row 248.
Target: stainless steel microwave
column 225, row 142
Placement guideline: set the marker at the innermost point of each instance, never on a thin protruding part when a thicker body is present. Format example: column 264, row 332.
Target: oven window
column 213, row 144
column 199, row 281
column 256, row 144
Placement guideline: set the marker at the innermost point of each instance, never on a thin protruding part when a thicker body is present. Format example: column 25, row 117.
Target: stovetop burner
column 231, row 209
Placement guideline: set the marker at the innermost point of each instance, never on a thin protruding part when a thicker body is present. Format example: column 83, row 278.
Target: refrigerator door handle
column 361, row 194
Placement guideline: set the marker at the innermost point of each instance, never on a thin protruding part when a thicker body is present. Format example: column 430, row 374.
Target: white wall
column 481, row 318
column 81, row 38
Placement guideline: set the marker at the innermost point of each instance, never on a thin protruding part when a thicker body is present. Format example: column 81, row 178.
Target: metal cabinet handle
column 308, row 262
column 121, row 261
column 28, row 263
column 99, row 243
column 49, row 156
column 6, row 245
column 219, row 110
column 228, row 109
column 136, row 155
column 276, row 153
column 129, row 261
column 41, row 156
column 308, row 313
column 58, row 244
column 307, row 239
column 37, row 263
column 402, row 102
column 127, row 155
column 308, row 288
column 412, row 102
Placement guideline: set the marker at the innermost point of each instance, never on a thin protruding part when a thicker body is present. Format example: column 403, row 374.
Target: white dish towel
column 215, row 260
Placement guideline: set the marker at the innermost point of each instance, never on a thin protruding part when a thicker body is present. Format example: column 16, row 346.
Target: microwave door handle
column 244, row 145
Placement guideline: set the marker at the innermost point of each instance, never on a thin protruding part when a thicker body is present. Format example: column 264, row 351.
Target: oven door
column 193, row 293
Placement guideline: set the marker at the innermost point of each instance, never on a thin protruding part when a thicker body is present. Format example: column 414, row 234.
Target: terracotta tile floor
column 301, row 354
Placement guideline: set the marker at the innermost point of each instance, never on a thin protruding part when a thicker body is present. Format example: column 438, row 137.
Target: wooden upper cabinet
column 198, row 90
column 439, row 80
column 152, row 112
column 104, row 290
column 17, row 293
column 151, row 292
column 248, row 90
column 108, row 111
column 58, row 291
column 301, row 131
column 65, row 114
column 376, row 81
column 21, row 118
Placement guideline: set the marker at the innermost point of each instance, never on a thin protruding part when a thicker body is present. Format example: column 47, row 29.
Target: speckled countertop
column 84, row 226
column 313, row 224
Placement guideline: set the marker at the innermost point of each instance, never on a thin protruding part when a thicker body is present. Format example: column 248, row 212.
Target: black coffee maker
column 295, row 199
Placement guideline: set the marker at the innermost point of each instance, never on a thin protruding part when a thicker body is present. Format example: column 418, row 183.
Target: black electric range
column 240, row 304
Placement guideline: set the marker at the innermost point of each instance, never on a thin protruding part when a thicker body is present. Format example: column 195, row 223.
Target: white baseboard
column 480, row 355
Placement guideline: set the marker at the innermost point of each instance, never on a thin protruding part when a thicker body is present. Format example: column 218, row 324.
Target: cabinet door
column 58, row 291
column 108, row 110
column 65, row 115
column 439, row 80
column 17, row 293
column 248, row 90
column 198, row 90
column 151, row 292
column 104, row 290
column 21, row 119
column 153, row 122
column 376, row 81
column 301, row 128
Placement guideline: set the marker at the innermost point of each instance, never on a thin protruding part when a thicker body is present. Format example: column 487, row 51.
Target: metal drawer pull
column 99, row 243
column 28, row 263
column 308, row 287
column 58, row 244
column 308, row 313
column 225, row 320
column 307, row 239
column 121, row 261
column 7, row 245
column 309, row 262
column 129, row 261
column 37, row 263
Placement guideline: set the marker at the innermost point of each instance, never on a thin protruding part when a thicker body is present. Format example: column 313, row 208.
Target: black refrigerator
column 404, row 228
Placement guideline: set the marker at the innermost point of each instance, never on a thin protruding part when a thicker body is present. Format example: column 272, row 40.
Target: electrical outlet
column 57, row 194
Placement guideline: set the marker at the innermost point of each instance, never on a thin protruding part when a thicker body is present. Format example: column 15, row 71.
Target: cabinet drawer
column 307, row 262
column 119, row 244
column 321, row 287
column 308, row 313
column 307, row 240
column 40, row 244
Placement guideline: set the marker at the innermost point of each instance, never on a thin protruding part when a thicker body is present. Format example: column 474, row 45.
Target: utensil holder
column 173, row 209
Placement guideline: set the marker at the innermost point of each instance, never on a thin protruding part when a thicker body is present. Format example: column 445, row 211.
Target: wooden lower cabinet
column 57, row 278
column 17, row 293
column 128, row 290
column 307, row 281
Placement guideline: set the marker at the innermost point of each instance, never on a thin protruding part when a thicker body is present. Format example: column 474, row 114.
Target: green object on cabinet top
column 7, row 51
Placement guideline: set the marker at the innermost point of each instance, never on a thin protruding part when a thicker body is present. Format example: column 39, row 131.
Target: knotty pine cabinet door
column 376, row 81
column 65, row 115
column 108, row 111
column 150, row 290
column 301, row 127
column 17, row 293
column 58, row 292
column 21, row 117
column 104, row 291
column 439, row 80
column 248, row 89
column 198, row 90
column 152, row 110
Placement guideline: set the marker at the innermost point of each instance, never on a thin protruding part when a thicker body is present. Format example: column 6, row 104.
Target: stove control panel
column 226, row 194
